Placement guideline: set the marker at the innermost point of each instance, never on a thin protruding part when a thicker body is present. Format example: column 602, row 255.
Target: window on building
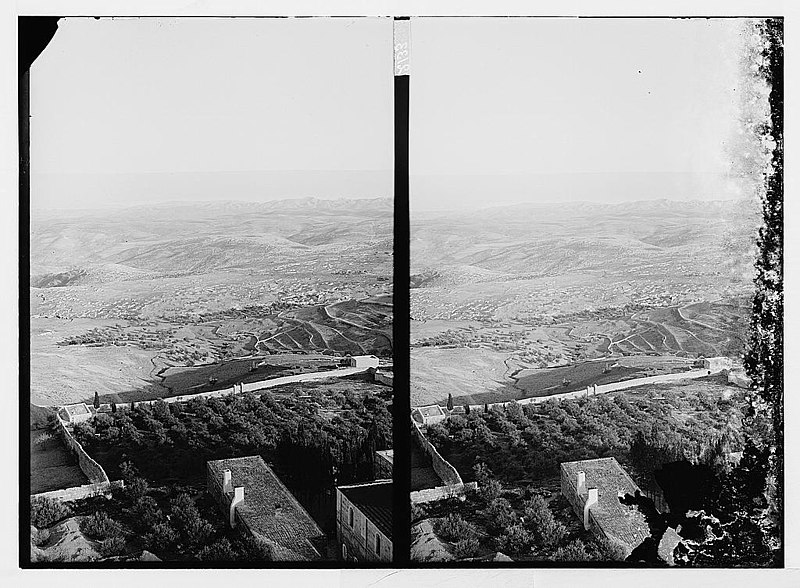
column 344, row 552
column 377, row 543
column 351, row 517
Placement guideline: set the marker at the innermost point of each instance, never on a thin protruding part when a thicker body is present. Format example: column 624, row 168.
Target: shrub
column 45, row 512
column 111, row 546
column 499, row 515
column 490, row 491
column 605, row 550
column 453, row 528
column 539, row 520
column 137, row 489
column 39, row 536
column 516, row 539
column 163, row 536
column 43, row 438
column 146, row 512
column 573, row 551
column 466, row 548
column 417, row 512
column 100, row 526
column 220, row 550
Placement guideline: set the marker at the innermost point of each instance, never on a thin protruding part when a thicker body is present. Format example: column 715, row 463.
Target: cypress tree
column 96, row 400
column 449, row 402
column 764, row 356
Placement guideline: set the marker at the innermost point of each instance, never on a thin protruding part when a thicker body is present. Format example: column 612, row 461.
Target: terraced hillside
column 119, row 297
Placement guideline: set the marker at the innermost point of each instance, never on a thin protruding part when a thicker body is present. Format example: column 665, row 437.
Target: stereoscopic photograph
column 211, row 290
column 596, row 291
column 581, row 365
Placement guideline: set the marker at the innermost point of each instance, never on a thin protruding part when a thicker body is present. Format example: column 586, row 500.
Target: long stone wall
column 260, row 385
column 441, row 492
column 441, row 466
column 93, row 471
column 81, row 492
column 605, row 388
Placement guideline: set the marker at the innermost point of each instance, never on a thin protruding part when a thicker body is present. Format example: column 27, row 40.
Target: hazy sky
column 511, row 110
column 132, row 109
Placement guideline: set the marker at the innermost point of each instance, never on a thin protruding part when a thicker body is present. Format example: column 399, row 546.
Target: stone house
column 257, row 503
column 364, row 361
column 75, row 413
column 364, row 521
column 594, row 488
column 428, row 415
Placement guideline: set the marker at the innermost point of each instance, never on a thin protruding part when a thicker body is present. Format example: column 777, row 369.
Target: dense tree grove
column 528, row 442
column 312, row 449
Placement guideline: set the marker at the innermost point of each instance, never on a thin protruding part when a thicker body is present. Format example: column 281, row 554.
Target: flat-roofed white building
column 364, row 361
column 75, row 413
column 428, row 415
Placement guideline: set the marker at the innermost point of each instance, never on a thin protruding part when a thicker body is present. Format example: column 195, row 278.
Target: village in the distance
column 212, row 383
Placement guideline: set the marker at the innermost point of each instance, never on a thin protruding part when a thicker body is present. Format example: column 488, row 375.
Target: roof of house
column 76, row 409
column 387, row 454
column 618, row 521
column 431, row 410
column 375, row 500
column 363, row 357
column 270, row 510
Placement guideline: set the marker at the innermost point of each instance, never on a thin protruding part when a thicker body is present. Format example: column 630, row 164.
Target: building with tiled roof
column 75, row 413
column 384, row 464
column 258, row 504
column 428, row 415
column 594, row 487
column 364, row 521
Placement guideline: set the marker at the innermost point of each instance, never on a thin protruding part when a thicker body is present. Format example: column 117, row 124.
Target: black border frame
column 35, row 32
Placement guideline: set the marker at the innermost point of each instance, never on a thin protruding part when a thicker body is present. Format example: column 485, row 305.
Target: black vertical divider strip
column 401, row 404
column 33, row 35
column 24, row 310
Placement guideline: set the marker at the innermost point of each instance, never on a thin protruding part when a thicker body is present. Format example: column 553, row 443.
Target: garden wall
column 441, row 492
column 441, row 466
column 81, row 492
column 93, row 471
column 604, row 388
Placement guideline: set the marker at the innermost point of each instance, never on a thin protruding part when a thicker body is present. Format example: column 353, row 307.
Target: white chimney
column 238, row 498
column 581, row 483
column 588, row 390
column 227, row 486
column 591, row 500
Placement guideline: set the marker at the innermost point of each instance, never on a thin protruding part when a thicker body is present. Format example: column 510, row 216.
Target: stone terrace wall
column 441, row 492
column 93, row 471
column 81, row 492
column 605, row 388
column 442, row 467
column 254, row 386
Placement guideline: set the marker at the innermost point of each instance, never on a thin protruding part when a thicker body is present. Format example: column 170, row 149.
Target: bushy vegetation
column 111, row 546
column 530, row 441
column 525, row 529
column 39, row 536
column 453, row 528
column 310, row 449
column 45, row 512
column 100, row 526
